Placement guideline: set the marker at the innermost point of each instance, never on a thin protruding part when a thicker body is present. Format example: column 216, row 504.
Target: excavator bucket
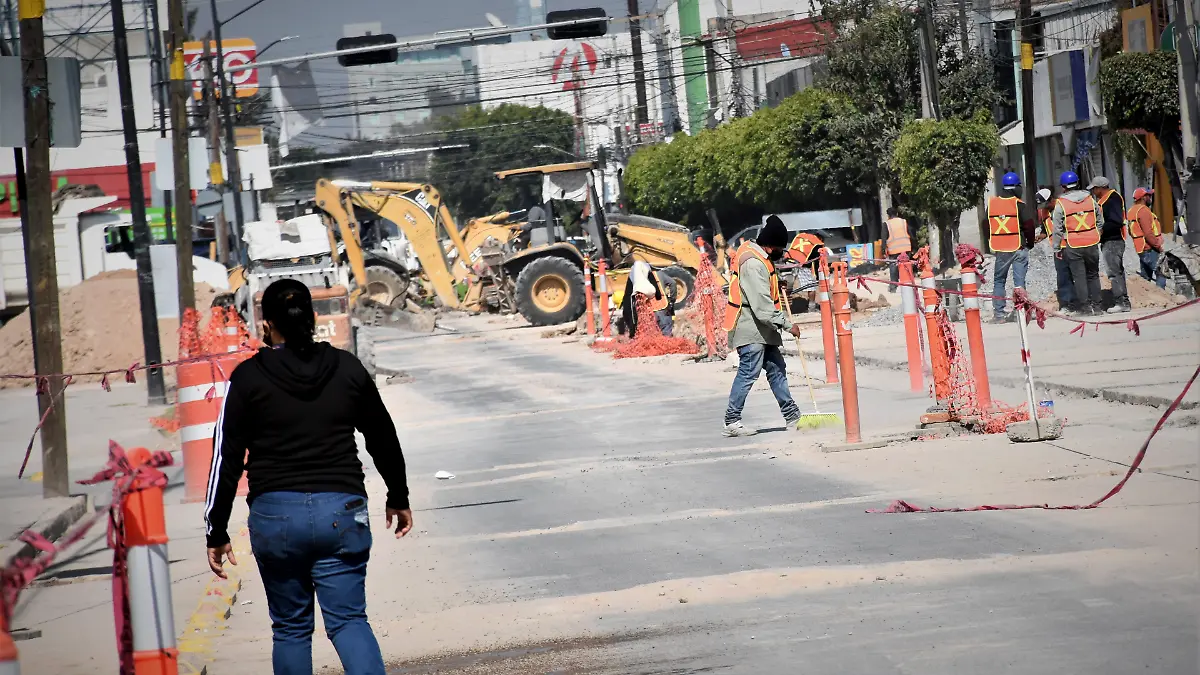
column 413, row 319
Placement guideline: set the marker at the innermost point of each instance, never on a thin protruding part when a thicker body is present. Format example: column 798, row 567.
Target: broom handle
column 787, row 307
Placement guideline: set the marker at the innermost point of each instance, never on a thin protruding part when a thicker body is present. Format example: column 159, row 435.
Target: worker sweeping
column 755, row 320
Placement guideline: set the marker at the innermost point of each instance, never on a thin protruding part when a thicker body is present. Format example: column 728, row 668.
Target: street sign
column 237, row 52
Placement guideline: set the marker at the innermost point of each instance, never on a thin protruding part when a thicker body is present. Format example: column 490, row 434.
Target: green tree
column 1141, row 93
column 659, row 181
column 497, row 138
column 942, row 167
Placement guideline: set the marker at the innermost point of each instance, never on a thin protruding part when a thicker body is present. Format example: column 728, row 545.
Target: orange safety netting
column 189, row 334
column 649, row 340
column 705, row 314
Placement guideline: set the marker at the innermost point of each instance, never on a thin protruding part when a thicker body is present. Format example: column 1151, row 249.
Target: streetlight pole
column 231, row 159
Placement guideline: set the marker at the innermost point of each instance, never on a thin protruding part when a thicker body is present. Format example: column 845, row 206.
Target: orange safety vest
column 803, row 246
column 1004, row 223
column 1080, row 222
column 1135, row 227
column 898, row 241
column 744, row 253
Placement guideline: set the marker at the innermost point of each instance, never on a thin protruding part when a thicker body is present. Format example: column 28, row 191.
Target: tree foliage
column 498, row 138
column 942, row 166
column 1141, row 91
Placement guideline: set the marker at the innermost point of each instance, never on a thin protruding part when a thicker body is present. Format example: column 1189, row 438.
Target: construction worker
column 1146, row 233
column 755, row 319
column 1112, row 240
column 899, row 240
column 293, row 409
column 1013, row 228
column 1065, row 290
column 659, row 292
column 1076, row 217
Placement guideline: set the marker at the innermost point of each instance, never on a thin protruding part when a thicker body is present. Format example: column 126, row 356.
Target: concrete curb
column 1065, row 390
column 209, row 619
column 51, row 526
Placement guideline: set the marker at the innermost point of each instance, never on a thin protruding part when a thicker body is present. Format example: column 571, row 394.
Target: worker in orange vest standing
column 1146, row 233
column 1013, row 229
column 755, row 320
column 898, row 241
column 1112, row 240
column 1076, row 217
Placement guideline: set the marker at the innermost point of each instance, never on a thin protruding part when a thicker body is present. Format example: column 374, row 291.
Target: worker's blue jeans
column 305, row 542
column 1018, row 262
column 1148, row 269
column 752, row 360
column 1066, row 287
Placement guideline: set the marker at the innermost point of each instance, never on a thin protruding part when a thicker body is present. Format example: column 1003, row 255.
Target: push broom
column 815, row 419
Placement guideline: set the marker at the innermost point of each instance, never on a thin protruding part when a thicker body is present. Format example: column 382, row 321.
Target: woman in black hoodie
column 290, row 412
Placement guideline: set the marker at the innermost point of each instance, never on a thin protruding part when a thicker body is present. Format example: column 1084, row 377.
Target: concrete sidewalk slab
column 50, row 518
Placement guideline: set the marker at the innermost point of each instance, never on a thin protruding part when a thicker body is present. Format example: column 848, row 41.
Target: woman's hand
column 215, row 556
column 404, row 521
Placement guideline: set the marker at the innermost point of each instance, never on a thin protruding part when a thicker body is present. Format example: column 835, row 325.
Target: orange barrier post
column 938, row 360
column 199, row 396
column 831, row 366
column 151, row 619
column 912, row 334
column 970, row 287
column 8, row 649
column 231, row 331
column 589, row 302
column 845, row 339
column 605, row 328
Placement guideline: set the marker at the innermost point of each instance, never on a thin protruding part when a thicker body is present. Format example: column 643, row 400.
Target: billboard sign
column 237, row 52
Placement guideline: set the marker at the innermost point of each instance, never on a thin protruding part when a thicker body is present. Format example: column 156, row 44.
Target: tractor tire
column 385, row 285
column 364, row 349
column 550, row 291
column 685, row 284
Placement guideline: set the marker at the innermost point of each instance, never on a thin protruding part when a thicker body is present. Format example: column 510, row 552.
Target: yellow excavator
column 505, row 262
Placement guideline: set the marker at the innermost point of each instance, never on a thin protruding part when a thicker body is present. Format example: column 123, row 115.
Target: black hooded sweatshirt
column 295, row 412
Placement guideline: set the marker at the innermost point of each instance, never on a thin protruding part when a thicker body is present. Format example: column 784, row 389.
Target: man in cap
column 1013, row 228
column 755, row 319
column 1146, row 233
column 1112, row 240
column 1075, row 238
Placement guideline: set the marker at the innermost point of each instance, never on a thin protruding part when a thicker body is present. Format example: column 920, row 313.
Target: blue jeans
column 1018, row 261
column 1148, row 269
column 306, row 542
column 752, row 360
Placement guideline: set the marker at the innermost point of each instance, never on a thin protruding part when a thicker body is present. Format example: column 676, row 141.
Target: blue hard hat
column 1010, row 179
column 1068, row 178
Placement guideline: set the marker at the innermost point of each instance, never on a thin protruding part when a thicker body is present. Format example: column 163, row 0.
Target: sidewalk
column 1110, row 363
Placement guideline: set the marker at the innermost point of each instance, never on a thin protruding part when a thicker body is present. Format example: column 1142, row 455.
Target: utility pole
column 931, row 104
column 1024, row 18
column 215, row 175
column 41, row 270
column 577, row 88
column 137, row 206
column 735, row 74
column 180, row 90
column 160, row 95
column 1189, row 109
column 231, row 158
column 965, row 41
column 639, row 72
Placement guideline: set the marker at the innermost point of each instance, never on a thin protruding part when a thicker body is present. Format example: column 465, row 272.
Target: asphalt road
column 608, row 506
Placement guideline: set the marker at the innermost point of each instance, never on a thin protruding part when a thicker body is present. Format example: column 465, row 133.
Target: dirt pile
column 1142, row 294
column 101, row 328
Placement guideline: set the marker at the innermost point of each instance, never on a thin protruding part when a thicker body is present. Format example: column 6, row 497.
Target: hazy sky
column 318, row 23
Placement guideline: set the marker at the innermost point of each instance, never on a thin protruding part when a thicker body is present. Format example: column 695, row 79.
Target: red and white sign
column 237, row 52
column 571, row 68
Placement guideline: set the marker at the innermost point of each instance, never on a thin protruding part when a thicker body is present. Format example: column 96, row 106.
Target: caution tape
column 901, row 506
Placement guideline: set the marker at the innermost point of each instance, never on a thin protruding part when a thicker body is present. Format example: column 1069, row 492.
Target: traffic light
column 385, row 55
column 580, row 30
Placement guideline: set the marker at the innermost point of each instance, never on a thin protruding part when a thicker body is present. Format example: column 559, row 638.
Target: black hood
column 301, row 373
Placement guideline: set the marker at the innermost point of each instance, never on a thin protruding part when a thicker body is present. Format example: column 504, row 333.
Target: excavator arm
column 419, row 212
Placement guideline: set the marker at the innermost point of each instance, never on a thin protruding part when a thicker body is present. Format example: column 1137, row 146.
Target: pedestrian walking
column 1076, row 217
column 1013, row 229
column 292, row 409
column 899, row 240
column 1146, row 233
column 755, row 319
column 1112, row 240
column 1064, row 288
